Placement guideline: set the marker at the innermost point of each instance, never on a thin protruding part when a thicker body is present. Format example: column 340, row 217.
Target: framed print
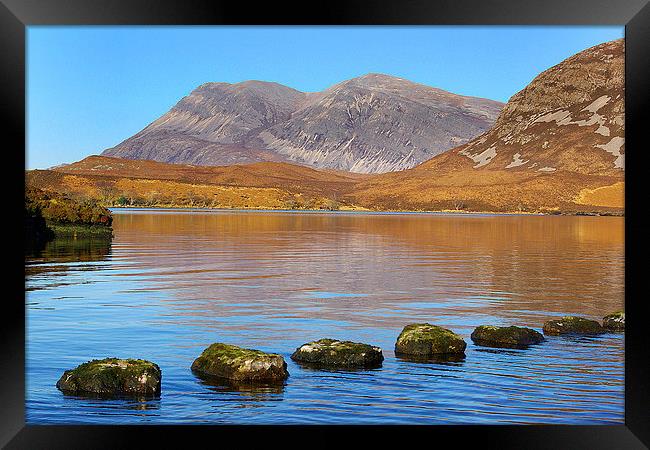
column 377, row 220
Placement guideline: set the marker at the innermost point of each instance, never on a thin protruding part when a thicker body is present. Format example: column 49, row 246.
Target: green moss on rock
column 614, row 321
column 423, row 340
column 112, row 376
column 334, row 353
column 572, row 325
column 238, row 364
column 505, row 337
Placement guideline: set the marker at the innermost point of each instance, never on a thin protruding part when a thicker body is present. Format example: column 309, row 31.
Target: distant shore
column 363, row 211
column 112, row 182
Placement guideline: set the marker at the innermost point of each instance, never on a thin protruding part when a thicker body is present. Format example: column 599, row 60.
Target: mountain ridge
column 557, row 147
column 368, row 124
column 557, row 142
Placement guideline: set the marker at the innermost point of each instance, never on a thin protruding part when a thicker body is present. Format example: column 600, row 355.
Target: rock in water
column 333, row 353
column 614, row 321
column 238, row 364
column 505, row 337
column 424, row 340
column 572, row 325
column 112, row 376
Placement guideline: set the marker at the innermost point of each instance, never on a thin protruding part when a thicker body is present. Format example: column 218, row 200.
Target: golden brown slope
column 148, row 183
column 555, row 145
column 264, row 174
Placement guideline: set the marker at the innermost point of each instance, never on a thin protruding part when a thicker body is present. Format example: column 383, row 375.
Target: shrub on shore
column 60, row 208
column 37, row 233
column 63, row 215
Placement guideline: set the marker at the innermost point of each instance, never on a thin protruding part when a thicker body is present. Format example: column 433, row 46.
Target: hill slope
column 116, row 181
column 371, row 124
column 558, row 143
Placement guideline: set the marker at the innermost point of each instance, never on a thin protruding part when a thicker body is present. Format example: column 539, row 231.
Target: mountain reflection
column 234, row 263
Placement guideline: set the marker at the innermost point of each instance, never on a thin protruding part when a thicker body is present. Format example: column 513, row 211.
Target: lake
column 174, row 281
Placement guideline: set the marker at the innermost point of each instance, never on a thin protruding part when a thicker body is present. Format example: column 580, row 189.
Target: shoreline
column 117, row 209
column 79, row 229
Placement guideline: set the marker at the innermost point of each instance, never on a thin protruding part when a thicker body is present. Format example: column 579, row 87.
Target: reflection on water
column 315, row 367
column 54, row 260
column 136, row 401
column 72, row 249
column 111, row 405
column 243, row 390
column 433, row 359
column 172, row 282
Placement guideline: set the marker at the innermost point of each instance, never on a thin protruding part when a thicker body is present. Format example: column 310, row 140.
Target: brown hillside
column 267, row 174
column 553, row 146
column 150, row 183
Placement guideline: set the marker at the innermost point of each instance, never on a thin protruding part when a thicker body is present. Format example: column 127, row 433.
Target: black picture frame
column 15, row 15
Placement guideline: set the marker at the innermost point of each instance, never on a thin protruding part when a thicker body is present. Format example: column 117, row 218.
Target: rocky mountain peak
column 577, row 79
column 570, row 117
column 372, row 123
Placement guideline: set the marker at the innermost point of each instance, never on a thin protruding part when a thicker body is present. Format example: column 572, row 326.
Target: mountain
column 557, row 147
column 377, row 123
column 371, row 124
column 570, row 117
column 557, row 144
column 212, row 125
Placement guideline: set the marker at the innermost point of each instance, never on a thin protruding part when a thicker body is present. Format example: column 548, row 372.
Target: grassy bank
column 50, row 214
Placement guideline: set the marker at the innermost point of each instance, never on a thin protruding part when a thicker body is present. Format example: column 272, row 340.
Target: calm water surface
column 172, row 282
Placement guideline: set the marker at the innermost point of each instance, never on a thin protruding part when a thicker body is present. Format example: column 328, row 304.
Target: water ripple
column 171, row 283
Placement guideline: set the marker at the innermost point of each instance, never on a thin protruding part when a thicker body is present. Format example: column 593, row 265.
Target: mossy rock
column 505, row 337
column 423, row 340
column 112, row 377
column 572, row 325
column 614, row 321
column 334, row 353
column 240, row 365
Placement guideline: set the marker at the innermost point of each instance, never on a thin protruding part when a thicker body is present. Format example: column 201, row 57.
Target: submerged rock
column 333, row 353
column 505, row 337
column 423, row 340
column 112, row 376
column 572, row 325
column 614, row 321
column 237, row 364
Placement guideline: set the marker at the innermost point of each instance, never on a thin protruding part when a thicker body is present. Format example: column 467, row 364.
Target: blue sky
column 89, row 88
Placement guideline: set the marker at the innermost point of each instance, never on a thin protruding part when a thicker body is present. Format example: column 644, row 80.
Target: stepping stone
column 333, row 353
column 238, row 364
column 505, row 337
column 112, row 377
